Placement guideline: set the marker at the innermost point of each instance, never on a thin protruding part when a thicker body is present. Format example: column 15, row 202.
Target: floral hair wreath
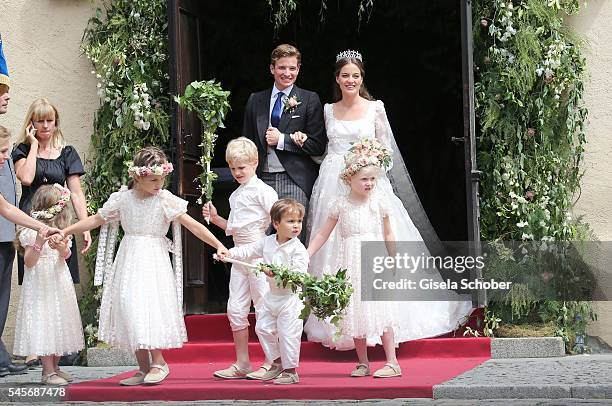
column 157, row 170
column 57, row 207
column 366, row 152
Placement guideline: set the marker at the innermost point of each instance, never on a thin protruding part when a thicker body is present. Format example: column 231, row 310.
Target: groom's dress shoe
column 12, row 369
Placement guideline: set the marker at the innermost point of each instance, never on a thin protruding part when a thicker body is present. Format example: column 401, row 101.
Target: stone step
column 538, row 347
column 577, row 376
column 527, row 347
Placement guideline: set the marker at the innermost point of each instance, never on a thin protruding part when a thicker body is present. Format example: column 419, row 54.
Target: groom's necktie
column 277, row 110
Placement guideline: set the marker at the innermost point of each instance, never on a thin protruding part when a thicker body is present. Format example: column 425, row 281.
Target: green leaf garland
column 210, row 103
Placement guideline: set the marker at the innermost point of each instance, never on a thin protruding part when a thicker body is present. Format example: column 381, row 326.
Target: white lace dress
column 140, row 308
column 358, row 222
column 413, row 319
column 48, row 321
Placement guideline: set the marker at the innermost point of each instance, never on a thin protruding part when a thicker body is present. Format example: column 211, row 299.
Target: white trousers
column 245, row 286
column 279, row 328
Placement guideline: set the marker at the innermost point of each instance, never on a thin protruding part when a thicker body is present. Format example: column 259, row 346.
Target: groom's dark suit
column 307, row 118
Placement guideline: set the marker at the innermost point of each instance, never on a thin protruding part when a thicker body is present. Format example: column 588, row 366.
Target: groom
column 272, row 115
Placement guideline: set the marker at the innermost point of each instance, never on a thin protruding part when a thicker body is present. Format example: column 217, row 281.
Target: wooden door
column 472, row 174
column 185, row 67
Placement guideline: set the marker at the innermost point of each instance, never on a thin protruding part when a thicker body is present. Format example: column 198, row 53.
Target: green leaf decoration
column 210, row 103
column 325, row 298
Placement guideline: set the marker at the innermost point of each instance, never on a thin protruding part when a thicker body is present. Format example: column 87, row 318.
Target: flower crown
column 57, row 207
column 365, row 152
column 349, row 54
column 157, row 170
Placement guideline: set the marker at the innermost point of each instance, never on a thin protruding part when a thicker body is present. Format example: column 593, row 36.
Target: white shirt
column 285, row 93
column 292, row 254
column 250, row 206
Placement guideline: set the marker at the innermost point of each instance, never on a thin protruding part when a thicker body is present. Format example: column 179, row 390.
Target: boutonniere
column 291, row 104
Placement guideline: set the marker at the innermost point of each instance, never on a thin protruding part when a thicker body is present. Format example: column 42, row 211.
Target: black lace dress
column 48, row 172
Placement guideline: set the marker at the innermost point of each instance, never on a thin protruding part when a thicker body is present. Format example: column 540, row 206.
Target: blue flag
column 4, row 74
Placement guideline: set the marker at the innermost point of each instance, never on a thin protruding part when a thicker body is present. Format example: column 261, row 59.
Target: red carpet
column 323, row 372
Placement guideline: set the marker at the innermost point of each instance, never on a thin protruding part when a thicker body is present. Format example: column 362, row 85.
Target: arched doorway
column 416, row 57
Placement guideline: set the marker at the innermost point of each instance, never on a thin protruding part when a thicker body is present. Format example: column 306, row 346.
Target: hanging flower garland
column 210, row 103
column 282, row 10
column 530, row 115
column 126, row 43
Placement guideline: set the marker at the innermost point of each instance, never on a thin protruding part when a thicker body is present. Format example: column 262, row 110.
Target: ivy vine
column 126, row 42
column 530, row 114
column 210, row 103
column 283, row 9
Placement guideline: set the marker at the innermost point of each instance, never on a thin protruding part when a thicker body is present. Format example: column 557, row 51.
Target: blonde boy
column 248, row 221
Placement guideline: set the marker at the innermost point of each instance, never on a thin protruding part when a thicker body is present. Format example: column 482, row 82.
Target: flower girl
column 48, row 320
column 141, row 306
column 360, row 216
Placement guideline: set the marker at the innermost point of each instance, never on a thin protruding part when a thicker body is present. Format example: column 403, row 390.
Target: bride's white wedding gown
column 413, row 319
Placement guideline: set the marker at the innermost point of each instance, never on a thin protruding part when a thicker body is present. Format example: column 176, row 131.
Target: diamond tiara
column 349, row 53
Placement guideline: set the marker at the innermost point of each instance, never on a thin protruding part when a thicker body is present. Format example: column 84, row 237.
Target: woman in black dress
column 42, row 158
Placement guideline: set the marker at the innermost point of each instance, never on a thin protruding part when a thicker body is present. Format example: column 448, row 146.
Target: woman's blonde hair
column 43, row 109
column 147, row 156
column 44, row 198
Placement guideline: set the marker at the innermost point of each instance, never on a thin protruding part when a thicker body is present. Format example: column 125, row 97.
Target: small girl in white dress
column 48, row 320
column 360, row 216
column 141, row 306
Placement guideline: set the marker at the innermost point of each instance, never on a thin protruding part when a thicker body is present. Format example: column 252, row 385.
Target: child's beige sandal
column 65, row 375
column 157, row 377
column 260, row 373
column 134, row 380
column 53, row 379
column 233, row 372
column 360, row 370
column 388, row 371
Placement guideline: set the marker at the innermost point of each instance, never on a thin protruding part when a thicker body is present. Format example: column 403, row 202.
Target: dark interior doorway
column 413, row 59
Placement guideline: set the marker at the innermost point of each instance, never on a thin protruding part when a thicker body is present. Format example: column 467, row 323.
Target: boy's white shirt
column 291, row 253
column 250, row 206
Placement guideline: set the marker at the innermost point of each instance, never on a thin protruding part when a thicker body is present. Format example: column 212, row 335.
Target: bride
column 355, row 115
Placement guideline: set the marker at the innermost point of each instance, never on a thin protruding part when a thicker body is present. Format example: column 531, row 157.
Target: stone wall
column 41, row 44
column 595, row 202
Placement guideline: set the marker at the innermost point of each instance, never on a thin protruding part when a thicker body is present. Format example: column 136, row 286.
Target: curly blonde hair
column 241, row 149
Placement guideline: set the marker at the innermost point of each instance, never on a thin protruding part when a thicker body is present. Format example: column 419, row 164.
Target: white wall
column 41, row 44
column 595, row 202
